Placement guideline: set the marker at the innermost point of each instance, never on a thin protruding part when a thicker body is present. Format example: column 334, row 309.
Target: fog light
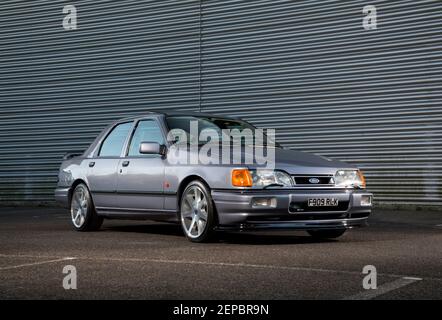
column 365, row 200
column 264, row 202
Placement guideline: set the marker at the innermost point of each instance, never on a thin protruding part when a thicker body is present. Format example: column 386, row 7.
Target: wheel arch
column 183, row 184
column 74, row 185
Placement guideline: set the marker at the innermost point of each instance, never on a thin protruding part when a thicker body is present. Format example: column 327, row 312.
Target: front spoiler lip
column 300, row 225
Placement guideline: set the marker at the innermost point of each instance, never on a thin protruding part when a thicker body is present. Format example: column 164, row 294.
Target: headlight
column 262, row 178
column 349, row 178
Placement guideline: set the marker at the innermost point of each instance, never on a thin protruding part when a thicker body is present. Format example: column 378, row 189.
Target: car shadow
column 248, row 238
column 161, row 229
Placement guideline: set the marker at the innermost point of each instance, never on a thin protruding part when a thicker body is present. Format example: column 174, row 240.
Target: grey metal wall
column 328, row 86
column 306, row 68
column 59, row 88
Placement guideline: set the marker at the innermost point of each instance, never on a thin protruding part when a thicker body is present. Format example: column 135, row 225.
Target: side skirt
column 137, row 214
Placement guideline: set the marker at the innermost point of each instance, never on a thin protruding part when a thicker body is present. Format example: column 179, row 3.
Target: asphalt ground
column 147, row 260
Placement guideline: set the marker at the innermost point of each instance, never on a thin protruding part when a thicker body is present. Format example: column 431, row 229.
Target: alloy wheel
column 79, row 207
column 194, row 213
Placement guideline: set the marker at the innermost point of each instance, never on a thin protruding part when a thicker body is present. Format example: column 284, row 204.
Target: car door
column 141, row 176
column 102, row 168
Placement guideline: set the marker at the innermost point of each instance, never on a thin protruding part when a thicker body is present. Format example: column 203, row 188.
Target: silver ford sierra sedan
column 157, row 167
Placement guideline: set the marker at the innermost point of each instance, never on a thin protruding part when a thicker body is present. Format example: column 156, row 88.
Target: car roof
column 176, row 113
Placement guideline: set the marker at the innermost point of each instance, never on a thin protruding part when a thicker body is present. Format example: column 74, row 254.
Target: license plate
column 323, row 202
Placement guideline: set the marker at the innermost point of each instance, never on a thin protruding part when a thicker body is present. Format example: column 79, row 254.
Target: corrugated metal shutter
column 59, row 88
column 310, row 70
column 306, row 68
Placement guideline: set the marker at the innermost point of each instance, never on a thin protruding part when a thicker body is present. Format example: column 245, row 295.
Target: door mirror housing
column 152, row 148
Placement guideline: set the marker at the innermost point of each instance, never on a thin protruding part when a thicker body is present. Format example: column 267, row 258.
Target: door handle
column 91, row 164
column 125, row 163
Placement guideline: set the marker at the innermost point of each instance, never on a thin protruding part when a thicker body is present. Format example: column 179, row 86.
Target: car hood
column 298, row 162
column 291, row 161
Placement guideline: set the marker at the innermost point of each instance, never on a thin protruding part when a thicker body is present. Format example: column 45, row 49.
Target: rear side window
column 113, row 144
column 146, row 131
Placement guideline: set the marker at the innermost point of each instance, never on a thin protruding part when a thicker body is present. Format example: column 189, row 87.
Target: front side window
column 146, row 131
column 114, row 142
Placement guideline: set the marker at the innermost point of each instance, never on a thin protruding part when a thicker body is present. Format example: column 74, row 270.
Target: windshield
column 204, row 123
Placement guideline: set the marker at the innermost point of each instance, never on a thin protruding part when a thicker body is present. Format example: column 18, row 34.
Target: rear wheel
column 83, row 215
column 197, row 212
column 326, row 234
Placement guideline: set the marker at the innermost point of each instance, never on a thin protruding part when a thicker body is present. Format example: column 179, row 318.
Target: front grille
column 314, row 180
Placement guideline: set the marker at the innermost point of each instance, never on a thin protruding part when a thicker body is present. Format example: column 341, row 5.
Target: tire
column 198, row 217
column 83, row 214
column 326, row 234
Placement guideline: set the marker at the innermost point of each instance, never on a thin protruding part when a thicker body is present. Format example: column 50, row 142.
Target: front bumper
column 236, row 210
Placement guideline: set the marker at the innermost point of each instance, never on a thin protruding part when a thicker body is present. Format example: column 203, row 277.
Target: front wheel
column 197, row 212
column 326, row 234
column 83, row 215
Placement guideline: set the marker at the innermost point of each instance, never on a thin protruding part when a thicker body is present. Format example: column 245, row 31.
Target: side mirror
column 152, row 148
